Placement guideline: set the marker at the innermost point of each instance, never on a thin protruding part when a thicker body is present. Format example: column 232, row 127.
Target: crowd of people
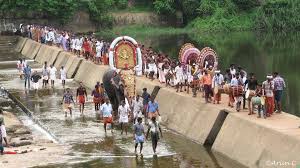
column 243, row 89
column 89, row 47
column 169, row 71
column 173, row 73
column 132, row 110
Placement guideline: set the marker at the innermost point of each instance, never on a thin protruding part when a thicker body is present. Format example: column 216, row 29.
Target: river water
column 260, row 53
column 86, row 143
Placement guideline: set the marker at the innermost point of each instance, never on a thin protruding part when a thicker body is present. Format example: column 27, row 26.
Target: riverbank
column 238, row 136
column 26, row 143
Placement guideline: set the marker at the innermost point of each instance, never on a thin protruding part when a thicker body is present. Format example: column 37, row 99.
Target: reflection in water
column 258, row 53
column 68, row 122
column 139, row 161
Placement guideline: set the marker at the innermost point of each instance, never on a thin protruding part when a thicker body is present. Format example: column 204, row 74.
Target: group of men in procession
column 132, row 110
column 90, row 48
column 266, row 95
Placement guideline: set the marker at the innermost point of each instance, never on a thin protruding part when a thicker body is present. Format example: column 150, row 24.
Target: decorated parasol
column 189, row 53
column 125, row 55
column 208, row 57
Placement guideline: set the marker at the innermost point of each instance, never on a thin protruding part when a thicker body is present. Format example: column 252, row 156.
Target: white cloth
column 77, row 44
column 106, row 110
column 123, row 114
column 234, row 82
column 98, row 50
column 73, row 44
column 217, row 80
column 179, row 75
column 179, row 71
column 35, row 85
column 154, row 127
column 232, row 71
column 63, row 75
column 188, row 74
column 161, row 73
column 138, row 71
column 52, row 73
column 137, row 106
column 3, row 131
column 50, row 36
column 152, row 67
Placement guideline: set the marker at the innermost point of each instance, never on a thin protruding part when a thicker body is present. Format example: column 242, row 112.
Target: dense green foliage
column 202, row 15
column 279, row 15
column 60, row 9
column 238, row 15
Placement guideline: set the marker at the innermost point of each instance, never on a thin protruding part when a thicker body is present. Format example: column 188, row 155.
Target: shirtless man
column 81, row 96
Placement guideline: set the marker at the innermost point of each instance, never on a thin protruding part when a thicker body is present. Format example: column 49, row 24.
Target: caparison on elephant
column 114, row 87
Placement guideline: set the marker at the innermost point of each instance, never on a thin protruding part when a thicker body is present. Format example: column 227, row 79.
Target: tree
column 165, row 7
column 246, row 4
column 189, row 8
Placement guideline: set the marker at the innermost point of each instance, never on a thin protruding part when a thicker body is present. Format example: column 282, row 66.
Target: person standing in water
column 137, row 108
column 153, row 128
column 106, row 110
column 97, row 97
column 81, row 95
column 52, row 74
column 66, row 101
column 63, row 76
column 45, row 74
column 27, row 75
column 20, row 67
column 139, row 134
column 123, row 111
column 35, row 80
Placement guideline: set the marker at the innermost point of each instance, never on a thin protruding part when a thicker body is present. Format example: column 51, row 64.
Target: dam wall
column 47, row 53
column 250, row 141
column 20, row 44
column 30, row 49
column 257, row 145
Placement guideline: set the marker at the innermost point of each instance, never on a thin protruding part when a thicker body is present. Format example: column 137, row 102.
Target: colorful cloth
column 269, row 105
column 81, row 99
column 68, row 98
column 279, row 83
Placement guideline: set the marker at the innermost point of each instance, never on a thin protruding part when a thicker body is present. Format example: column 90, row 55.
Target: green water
column 261, row 53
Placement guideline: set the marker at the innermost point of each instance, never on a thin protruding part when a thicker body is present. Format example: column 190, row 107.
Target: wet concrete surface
column 88, row 145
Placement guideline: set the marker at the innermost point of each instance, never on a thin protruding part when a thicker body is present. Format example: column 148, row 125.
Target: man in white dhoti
column 179, row 77
column 63, row 76
column 52, row 74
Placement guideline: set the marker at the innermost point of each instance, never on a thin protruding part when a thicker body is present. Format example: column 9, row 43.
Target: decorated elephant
column 114, row 88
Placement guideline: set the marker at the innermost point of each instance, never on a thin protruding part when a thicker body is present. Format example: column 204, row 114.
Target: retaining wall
column 20, row 44
column 256, row 145
column 47, row 53
column 90, row 73
column 30, row 48
column 62, row 59
column 250, row 143
column 72, row 65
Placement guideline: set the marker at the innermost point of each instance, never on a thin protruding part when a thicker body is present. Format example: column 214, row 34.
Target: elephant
column 114, row 88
